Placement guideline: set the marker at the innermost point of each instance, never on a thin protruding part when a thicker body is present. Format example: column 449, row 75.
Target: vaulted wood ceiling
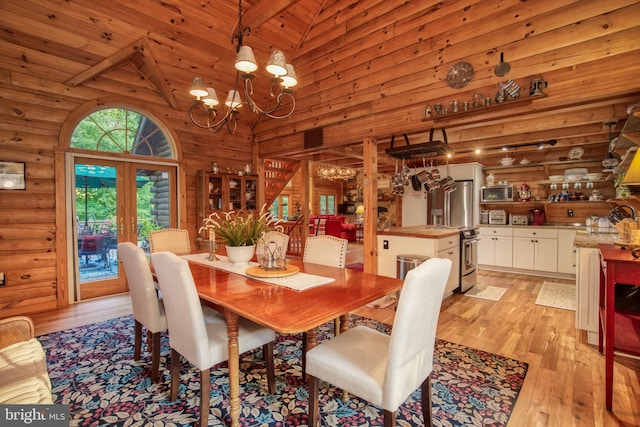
column 367, row 68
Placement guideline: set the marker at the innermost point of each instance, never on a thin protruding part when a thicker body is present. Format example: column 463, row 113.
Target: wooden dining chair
column 148, row 309
column 174, row 240
column 201, row 336
column 385, row 369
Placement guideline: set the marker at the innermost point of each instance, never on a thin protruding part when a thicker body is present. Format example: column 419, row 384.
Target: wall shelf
column 523, row 100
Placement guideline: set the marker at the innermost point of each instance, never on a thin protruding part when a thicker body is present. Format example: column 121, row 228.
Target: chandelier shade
column 203, row 112
column 290, row 79
column 277, row 64
column 245, row 61
column 211, row 99
column 233, row 100
column 198, row 88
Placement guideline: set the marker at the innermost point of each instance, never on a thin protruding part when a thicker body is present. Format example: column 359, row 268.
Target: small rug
column 92, row 370
column 357, row 266
column 557, row 295
column 486, row 292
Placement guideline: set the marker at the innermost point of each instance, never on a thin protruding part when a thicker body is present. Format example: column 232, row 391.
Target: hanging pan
column 502, row 68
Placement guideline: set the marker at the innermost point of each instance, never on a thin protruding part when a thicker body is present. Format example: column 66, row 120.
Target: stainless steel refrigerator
column 453, row 209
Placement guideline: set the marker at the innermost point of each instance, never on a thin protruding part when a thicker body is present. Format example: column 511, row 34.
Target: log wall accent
column 367, row 70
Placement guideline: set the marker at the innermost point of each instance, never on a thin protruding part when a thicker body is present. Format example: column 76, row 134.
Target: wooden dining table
column 285, row 310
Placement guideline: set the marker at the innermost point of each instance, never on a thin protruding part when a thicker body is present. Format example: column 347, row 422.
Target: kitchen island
column 423, row 241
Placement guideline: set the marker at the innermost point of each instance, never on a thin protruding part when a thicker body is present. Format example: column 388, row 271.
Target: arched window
column 119, row 130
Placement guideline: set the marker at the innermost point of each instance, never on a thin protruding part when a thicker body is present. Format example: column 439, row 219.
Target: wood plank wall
column 33, row 110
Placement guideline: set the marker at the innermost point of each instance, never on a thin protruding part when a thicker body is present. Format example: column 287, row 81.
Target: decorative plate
column 460, row 75
column 575, row 153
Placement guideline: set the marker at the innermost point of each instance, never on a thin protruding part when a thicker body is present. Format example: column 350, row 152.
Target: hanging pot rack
column 416, row 151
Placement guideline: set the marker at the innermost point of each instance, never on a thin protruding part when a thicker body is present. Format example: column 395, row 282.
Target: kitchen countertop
column 421, row 231
column 591, row 240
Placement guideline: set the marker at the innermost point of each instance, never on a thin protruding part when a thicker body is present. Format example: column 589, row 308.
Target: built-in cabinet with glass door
column 221, row 192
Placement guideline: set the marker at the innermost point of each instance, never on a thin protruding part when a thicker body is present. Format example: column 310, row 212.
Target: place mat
column 257, row 271
column 297, row 282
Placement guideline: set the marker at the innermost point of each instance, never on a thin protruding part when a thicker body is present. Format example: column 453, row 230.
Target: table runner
column 298, row 282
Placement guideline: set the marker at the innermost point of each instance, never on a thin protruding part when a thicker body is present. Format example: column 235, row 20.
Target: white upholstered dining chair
column 385, row 369
column 148, row 309
column 199, row 334
column 174, row 240
column 326, row 250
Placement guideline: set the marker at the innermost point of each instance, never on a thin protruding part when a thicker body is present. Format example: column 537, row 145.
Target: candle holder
column 212, row 251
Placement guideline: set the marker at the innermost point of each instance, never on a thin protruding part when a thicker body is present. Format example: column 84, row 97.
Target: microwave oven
column 497, row 193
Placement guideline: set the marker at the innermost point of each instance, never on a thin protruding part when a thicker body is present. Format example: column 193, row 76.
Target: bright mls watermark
column 34, row 415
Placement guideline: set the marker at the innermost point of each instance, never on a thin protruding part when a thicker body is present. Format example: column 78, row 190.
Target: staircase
column 276, row 175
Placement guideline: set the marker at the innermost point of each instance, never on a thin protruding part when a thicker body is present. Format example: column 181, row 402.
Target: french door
column 116, row 201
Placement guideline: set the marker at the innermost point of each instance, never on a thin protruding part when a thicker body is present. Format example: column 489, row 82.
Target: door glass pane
column 96, row 202
column 331, row 205
column 273, row 210
column 285, row 208
column 153, row 203
column 323, row 205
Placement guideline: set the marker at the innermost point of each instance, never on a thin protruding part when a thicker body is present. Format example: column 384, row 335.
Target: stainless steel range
column 468, row 258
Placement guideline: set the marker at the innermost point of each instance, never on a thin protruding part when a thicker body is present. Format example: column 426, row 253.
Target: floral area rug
column 92, row 370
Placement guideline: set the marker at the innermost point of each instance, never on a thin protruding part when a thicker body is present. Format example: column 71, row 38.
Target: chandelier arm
column 248, row 91
column 211, row 116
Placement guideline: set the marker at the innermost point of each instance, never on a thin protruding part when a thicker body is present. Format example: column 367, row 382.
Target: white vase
column 240, row 254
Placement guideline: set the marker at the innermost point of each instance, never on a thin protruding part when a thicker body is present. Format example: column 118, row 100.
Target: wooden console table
column 617, row 328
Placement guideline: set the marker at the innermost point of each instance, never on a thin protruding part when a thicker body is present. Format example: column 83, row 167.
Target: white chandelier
column 284, row 78
column 333, row 173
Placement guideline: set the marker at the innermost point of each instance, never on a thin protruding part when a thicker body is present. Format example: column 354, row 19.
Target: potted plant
column 240, row 231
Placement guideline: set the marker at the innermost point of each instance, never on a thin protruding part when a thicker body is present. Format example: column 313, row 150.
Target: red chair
column 93, row 245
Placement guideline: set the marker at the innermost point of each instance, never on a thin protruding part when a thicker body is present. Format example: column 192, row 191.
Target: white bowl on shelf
column 506, row 161
column 525, row 161
column 556, row 178
column 572, row 178
column 594, row 176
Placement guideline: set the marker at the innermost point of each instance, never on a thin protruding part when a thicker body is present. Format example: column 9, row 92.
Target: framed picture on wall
column 12, row 176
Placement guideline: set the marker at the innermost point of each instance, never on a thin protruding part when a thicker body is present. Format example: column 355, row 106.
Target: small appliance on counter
column 497, row 217
column 518, row 220
column 536, row 216
column 484, row 216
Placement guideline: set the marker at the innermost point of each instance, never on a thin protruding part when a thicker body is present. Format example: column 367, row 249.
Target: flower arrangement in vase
column 240, row 229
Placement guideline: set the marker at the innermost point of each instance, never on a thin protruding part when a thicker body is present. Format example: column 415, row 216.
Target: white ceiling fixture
column 204, row 113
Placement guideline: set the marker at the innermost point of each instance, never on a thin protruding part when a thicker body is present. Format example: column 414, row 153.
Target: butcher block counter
column 421, row 231
column 427, row 242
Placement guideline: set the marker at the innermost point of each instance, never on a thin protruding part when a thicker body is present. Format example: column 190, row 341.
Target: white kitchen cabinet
column 588, row 292
column 390, row 246
column 495, row 247
column 535, row 249
column 449, row 248
column 566, row 252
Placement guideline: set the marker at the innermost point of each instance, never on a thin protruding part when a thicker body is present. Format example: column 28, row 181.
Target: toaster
column 497, row 217
column 519, row 220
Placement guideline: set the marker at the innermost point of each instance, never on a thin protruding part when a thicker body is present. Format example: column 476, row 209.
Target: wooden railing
column 295, row 231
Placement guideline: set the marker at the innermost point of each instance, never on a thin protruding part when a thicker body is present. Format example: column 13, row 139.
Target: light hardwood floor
column 565, row 382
